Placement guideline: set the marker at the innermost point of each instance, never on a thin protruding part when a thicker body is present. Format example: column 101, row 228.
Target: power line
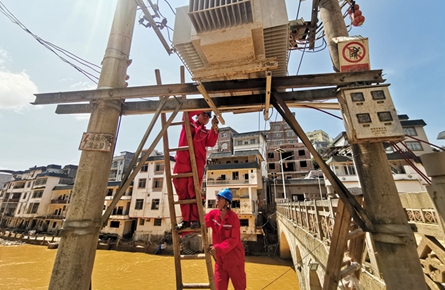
column 95, row 69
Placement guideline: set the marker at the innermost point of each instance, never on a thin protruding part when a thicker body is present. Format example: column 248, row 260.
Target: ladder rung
column 193, row 257
column 181, row 175
column 349, row 270
column 182, row 148
column 189, row 230
column 196, row 286
column 176, row 123
column 185, row 201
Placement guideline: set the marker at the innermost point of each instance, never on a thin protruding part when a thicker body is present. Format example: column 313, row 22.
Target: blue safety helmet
column 208, row 113
column 226, row 193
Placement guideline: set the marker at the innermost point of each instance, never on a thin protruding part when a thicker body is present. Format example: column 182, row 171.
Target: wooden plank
column 337, row 247
column 279, row 84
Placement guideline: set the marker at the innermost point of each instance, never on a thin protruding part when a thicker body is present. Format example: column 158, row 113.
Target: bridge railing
column 317, row 216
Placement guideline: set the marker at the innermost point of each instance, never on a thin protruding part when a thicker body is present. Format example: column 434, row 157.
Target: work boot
column 182, row 225
column 195, row 225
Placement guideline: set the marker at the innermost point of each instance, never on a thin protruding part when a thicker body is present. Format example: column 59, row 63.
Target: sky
column 405, row 41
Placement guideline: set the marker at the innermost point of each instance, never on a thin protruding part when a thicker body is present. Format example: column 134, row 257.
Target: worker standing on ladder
column 202, row 138
column 227, row 247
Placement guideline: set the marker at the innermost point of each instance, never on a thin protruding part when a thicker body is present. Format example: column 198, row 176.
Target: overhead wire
column 56, row 49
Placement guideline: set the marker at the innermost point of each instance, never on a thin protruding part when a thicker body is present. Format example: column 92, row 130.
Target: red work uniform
column 226, row 239
column 185, row 188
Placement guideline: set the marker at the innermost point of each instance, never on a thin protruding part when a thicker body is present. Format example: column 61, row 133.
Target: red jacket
column 226, row 238
column 202, row 138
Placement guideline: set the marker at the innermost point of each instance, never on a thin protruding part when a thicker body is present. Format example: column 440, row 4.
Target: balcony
column 230, row 166
column 120, row 215
column 55, row 217
column 59, row 201
column 227, row 182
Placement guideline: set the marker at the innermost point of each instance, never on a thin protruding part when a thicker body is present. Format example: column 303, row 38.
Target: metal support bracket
column 268, row 87
column 81, row 227
column 209, row 101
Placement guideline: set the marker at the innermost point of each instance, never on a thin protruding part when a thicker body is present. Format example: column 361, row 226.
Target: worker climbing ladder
column 197, row 200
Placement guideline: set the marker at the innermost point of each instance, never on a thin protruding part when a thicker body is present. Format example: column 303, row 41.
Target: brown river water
column 29, row 267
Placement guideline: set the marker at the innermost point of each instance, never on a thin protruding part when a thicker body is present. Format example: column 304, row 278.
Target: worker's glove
column 215, row 123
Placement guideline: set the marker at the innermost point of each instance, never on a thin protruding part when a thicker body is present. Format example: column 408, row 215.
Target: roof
column 240, row 153
column 412, row 123
column 339, row 158
column 63, row 187
column 441, row 135
column 254, row 133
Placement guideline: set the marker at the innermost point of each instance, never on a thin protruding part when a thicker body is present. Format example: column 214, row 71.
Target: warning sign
column 353, row 52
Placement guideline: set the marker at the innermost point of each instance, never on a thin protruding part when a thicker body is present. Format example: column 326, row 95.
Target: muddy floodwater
column 29, row 267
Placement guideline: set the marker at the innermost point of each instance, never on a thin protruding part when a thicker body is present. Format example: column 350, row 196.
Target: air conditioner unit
column 232, row 39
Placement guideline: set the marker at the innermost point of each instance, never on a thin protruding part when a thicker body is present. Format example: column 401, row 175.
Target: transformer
column 232, row 39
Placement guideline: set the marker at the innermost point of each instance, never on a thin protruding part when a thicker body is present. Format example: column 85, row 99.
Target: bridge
column 306, row 230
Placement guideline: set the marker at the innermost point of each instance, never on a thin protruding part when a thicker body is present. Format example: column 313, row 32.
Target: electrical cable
column 53, row 48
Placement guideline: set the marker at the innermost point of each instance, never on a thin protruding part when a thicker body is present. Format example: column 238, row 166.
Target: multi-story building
column 119, row 165
column 149, row 201
column 415, row 134
column 319, row 139
column 225, row 141
column 119, row 223
column 242, row 173
column 60, row 199
column 407, row 178
column 26, row 199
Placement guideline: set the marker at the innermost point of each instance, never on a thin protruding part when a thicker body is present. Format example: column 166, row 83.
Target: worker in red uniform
column 227, row 247
column 202, row 138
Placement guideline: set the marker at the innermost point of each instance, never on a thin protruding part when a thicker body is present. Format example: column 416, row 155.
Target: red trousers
column 235, row 273
column 185, row 189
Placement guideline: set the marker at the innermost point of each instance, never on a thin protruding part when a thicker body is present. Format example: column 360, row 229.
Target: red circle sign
column 354, row 52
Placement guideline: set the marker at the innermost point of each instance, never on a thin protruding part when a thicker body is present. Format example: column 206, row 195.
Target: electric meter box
column 369, row 114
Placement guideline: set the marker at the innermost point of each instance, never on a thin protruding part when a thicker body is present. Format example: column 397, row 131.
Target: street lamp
column 282, row 171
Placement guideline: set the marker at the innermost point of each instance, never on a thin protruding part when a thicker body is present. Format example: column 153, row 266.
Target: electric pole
column 393, row 237
column 73, row 265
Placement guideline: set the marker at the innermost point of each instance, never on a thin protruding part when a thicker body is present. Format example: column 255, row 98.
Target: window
column 211, row 203
column 224, row 146
column 114, row 224
column 157, row 222
column 414, row 145
column 271, row 165
column 223, row 135
column 24, row 196
column 303, row 163
column 139, row 204
column 244, row 222
column 41, row 181
column 142, row 182
column 159, row 167
column 141, row 222
column 157, row 184
column 110, row 192
column 235, row 175
column 155, row 204
column 54, row 224
column 277, row 135
column 410, row 131
column 276, row 127
column 270, row 155
column 252, row 141
column 33, row 207
column 28, row 184
column 239, row 142
column 235, row 204
column 144, row 168
column 301, row 153
column 37, row 194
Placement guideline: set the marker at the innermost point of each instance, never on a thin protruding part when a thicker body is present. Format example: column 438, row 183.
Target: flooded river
column 29, row 267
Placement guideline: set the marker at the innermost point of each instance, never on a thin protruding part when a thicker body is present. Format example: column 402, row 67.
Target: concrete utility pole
column 394, row 240
column 80, row 231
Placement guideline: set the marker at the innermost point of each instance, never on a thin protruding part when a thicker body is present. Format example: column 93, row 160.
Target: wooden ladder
column 198, row 201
